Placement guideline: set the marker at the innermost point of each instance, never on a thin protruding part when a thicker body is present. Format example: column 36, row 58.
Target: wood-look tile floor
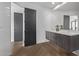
column 42, row 49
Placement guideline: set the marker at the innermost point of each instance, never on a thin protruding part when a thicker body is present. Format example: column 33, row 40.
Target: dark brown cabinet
column 69, row 43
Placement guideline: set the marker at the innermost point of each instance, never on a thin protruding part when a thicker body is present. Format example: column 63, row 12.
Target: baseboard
column 42, row 41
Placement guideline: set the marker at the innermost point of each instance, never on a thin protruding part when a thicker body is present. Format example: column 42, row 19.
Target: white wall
column 5, row 28
column 57, row 19
column 43, row 19
column 18, row 9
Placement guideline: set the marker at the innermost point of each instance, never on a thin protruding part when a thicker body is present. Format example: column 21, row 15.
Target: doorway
column 18, row 27
column 18, row 32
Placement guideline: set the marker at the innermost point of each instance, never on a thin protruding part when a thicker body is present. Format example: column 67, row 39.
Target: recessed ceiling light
column 53, row 3
column 60, row 5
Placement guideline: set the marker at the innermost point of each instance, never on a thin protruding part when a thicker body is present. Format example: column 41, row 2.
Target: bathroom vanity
column 67, row 39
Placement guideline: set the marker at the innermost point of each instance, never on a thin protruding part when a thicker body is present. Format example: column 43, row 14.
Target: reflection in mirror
column 66, row 22
column 71, row 22
column 74, row 23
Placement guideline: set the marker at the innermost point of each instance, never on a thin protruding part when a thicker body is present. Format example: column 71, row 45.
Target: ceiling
column 46, row 4
column 43, row 4
column 69, row 6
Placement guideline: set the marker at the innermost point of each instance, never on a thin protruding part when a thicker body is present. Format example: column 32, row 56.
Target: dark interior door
column 30, row 27
column 18, row 27
column 66, row 22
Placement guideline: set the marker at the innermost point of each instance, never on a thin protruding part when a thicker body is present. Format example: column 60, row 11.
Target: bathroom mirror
column 71, row 22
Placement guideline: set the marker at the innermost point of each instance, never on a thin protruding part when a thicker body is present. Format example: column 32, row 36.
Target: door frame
column 12, row 27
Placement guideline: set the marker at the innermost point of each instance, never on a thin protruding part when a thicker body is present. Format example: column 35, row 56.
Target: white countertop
column 65, row 32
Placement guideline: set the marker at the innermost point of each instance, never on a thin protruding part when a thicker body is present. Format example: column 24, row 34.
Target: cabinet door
column 66, row 42
column 47, row 35
column 51, row 36
column 74, row 43
column 63, row 41
column 59, row 40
